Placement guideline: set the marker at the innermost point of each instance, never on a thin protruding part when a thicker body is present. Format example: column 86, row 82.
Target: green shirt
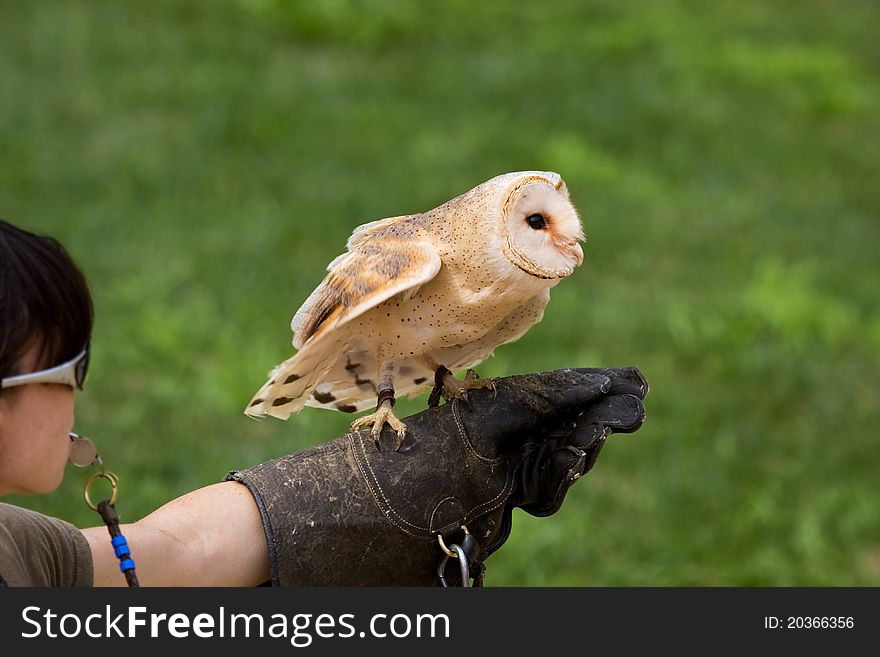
column 36, row 550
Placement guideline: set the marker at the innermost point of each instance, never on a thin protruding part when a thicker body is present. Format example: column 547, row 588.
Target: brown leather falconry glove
column 346, row 514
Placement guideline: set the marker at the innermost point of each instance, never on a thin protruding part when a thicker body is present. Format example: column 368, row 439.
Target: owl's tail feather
column 292, row 383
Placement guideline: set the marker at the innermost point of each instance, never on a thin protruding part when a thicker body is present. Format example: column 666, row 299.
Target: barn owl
column 417, row 297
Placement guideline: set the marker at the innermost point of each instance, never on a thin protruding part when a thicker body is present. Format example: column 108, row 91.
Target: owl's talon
column 383, row 415
column 376, row 433
column 451, row 388
column 401, row 436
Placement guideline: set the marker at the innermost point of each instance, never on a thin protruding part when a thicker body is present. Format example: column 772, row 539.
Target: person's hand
column 345, row 514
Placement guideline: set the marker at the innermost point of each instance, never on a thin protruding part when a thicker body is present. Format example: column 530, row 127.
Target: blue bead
column 128, row 564
column 118, row 540
column 122, row 551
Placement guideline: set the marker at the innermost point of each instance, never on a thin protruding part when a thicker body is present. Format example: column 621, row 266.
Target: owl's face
column 540, row 227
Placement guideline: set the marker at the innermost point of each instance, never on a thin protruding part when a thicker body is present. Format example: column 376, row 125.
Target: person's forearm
column 210, row 537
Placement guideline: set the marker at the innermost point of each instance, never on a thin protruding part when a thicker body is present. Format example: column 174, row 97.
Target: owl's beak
column 577, row 253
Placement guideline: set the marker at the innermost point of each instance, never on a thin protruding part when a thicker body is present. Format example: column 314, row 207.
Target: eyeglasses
column 72, row 373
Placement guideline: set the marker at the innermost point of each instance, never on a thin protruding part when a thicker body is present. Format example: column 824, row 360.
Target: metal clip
column 456, row 551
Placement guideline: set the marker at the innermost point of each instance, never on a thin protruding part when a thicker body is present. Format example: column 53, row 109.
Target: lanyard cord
column 126, row 564
column 107, row 510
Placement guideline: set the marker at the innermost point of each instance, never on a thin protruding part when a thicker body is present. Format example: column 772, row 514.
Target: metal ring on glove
column 450, row 553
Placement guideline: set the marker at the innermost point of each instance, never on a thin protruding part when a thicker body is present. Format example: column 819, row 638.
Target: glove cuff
column 243, row 478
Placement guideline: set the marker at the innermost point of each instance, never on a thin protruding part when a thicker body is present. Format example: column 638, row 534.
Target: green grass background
column 204, row 161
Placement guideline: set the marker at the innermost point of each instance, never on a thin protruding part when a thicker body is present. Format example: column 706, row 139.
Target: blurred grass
column 203, row 161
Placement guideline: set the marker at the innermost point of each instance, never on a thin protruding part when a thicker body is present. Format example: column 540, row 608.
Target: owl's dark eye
column 536, row 221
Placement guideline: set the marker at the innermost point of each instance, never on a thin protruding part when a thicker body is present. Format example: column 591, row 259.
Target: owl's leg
column 450, row 388
column 384, row 413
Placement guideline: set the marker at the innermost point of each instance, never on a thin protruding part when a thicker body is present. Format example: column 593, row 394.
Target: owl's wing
column 366, row 231
column 373, row 271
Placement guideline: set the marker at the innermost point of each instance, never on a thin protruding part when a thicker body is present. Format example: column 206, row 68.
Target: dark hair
column 44, row 300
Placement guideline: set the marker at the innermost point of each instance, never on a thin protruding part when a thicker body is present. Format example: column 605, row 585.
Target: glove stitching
column 384, row 503
column 386, row 508
column 508, row 484
column 448, row 498
column 467, row 441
